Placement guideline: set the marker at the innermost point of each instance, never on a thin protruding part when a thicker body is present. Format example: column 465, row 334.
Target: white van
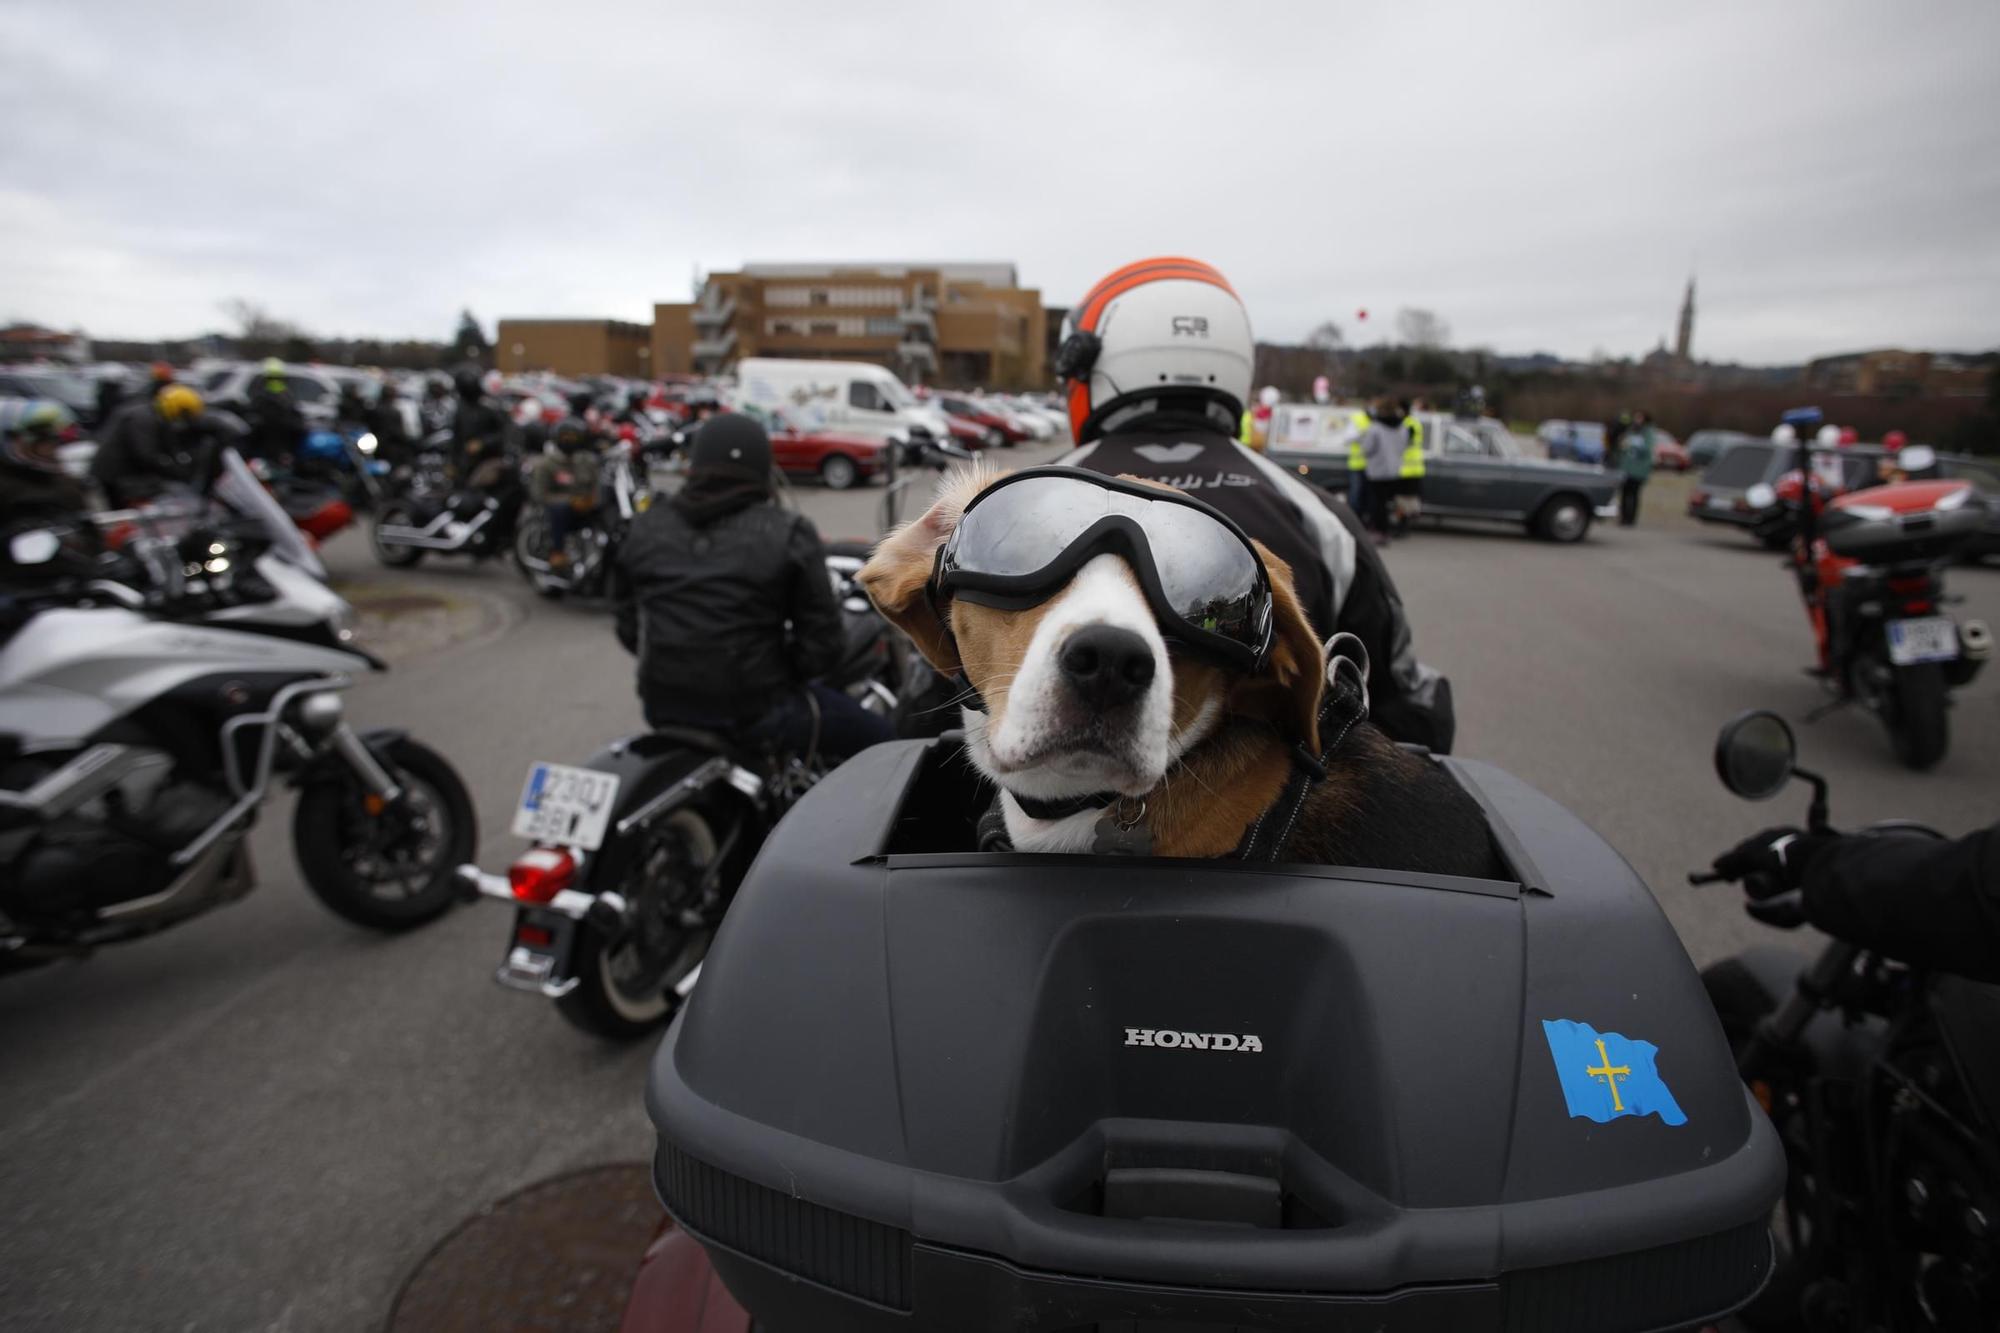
column 855, row 396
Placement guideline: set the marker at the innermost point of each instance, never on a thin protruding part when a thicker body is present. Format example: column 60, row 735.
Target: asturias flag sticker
column 1605, row 1076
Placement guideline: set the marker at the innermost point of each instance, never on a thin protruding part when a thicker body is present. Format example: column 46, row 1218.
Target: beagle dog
column 1142, row 666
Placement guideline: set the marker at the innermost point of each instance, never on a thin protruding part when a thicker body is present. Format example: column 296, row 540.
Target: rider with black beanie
column 724, row 596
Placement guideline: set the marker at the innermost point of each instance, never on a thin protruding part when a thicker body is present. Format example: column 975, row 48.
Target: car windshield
column 1741, row 465
column 898, row 397
column 1984, row 478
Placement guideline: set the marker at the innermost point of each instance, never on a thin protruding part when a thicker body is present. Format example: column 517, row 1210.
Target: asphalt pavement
column 265, row 1118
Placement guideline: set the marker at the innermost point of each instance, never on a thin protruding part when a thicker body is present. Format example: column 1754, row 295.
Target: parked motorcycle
column 637, row 852
column 424, row 518
column 1870, row 566
column 139, row 739
column 623, row 497
column 1884, row 1085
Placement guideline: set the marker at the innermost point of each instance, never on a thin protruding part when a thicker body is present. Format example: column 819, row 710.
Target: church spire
column 1684, row 344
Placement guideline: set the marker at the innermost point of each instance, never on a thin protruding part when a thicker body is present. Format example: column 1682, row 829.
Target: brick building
column 575, row 347
column 969, row 324
column 1894, row 371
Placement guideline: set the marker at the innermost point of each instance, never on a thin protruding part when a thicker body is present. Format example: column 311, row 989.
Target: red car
column 837, row 458
column 973, row 410
column 970, row 434
column 1669, row 452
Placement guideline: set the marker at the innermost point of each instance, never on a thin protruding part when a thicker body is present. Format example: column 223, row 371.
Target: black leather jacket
column 724, row 617
column 1931, row 904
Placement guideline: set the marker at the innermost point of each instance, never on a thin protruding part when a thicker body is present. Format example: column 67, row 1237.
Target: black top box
column 920, row 1089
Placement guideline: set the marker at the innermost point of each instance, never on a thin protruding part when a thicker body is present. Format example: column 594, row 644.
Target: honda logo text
column 1193, row 1041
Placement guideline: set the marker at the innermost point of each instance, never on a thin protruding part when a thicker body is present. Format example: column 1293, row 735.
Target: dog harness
column 1122, row 829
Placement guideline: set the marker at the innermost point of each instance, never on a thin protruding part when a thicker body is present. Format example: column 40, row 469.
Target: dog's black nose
column 1107, row 666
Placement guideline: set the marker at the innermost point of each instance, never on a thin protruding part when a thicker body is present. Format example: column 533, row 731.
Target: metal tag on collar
column 1123, row 831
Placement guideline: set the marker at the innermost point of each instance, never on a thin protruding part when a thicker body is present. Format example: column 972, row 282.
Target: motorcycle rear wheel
column 331, row 833
column 625, row 987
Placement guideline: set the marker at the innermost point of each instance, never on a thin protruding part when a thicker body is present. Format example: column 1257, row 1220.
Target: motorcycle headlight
column 366, row 444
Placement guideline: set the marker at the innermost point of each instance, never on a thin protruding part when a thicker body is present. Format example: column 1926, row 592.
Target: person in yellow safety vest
column 1357, row 464
column 1410, row 484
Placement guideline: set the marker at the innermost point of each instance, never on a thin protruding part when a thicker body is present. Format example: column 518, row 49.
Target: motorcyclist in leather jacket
column 725, row 598
column 1183, row 339
column 479, row 443
column 271, row 411
column 1921, row 901
column 158, row 442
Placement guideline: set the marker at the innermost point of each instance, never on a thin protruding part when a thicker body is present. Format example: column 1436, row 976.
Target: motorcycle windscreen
column 238, row 487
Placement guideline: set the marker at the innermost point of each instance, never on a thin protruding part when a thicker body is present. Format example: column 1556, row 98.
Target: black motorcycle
column 638, row 851
column 424, row 517
column 622, row 497
column 1884, row 1085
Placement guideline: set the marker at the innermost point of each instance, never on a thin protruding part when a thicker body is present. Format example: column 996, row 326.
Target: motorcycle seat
column 695, row 738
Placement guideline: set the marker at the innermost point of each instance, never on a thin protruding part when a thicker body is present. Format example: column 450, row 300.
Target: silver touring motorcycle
column 144, row 719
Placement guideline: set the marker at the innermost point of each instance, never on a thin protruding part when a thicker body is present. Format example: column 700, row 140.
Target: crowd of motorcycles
column 192, row 656
column 148, row 710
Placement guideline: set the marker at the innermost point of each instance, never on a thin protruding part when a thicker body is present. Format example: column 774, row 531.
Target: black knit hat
column 731, row 444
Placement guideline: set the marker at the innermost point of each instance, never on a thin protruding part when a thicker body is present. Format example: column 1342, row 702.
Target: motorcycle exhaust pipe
column 1975, row 640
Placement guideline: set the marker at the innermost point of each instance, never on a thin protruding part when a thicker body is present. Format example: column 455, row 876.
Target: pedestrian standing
column 1635, row 464
column 1382, row 448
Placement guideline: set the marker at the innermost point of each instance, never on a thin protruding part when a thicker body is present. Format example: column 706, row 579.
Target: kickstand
column 1830, row 706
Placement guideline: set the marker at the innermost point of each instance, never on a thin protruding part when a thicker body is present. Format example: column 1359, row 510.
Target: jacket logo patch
column 1163, row 1039
column 1190, row 326
column 1168, row 453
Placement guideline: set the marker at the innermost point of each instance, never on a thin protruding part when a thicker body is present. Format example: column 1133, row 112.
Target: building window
column 825, row 328
column 818, row 297
column 879, row 326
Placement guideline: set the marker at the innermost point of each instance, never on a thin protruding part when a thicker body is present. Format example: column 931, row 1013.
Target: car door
column 1457, row 471
column 787, row 445
column 869, row 411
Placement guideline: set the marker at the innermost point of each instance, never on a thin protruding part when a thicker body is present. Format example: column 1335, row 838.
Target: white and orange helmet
column 1167, row 325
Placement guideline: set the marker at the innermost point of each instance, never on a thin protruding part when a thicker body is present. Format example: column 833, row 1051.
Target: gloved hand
column 1771, row 862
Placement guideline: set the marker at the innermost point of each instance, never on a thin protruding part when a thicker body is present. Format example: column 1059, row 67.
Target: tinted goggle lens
column 1209, row 577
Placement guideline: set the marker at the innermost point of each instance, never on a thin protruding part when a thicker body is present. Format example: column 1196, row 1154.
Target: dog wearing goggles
column 1142, row 667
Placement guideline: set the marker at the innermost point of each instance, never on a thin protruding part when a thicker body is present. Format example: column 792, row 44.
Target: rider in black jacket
column 1931, row 904
column 725, row 599
column 1157, row 360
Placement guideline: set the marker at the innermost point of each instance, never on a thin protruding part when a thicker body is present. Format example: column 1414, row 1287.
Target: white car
column 316, row 392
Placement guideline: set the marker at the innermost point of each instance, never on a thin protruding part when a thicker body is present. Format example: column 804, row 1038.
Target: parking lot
column 266, row 1118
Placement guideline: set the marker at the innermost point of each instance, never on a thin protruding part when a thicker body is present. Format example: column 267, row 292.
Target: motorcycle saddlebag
column 922, row 1089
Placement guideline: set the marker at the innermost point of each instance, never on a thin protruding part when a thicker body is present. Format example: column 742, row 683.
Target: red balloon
column 1362, row 313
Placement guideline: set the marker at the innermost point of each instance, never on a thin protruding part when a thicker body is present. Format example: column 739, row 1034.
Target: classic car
column 1473, row 471
column 838, row 458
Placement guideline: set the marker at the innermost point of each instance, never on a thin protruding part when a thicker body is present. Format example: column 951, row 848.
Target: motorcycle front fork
column 376, row 779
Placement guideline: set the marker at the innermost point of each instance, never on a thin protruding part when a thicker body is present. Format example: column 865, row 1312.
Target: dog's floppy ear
column 897, row 574
column 1287, row 688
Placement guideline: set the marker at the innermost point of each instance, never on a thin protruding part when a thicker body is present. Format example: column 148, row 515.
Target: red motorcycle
column 1870, row 565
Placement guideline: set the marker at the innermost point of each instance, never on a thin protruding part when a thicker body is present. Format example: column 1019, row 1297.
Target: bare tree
column 1416, row 327
column 1325, row 337
column 255, row 324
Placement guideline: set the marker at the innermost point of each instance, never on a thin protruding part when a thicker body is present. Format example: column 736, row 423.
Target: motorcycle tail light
column 535, row 937
column 540, row 874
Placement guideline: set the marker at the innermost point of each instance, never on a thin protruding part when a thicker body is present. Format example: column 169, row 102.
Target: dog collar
column 1067, row 806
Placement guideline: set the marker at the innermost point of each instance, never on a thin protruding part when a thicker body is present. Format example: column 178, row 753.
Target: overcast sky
column 1541, row 175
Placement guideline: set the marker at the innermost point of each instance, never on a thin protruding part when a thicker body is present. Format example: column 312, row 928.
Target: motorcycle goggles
column 1022, row 539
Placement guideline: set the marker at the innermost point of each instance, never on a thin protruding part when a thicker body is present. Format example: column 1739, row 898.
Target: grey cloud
column 1542, row 179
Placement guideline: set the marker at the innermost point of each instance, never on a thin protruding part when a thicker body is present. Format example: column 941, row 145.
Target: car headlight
column 1761, row 496
column 1954, row 499
column 366, row 444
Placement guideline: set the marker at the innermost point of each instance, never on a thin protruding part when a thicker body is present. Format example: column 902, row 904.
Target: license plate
column 568, row 807
column 1928, row 639
column 1721, row 502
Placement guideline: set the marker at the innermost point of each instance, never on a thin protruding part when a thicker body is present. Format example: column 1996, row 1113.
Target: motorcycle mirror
column 37, row 546
column 1754, row 755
